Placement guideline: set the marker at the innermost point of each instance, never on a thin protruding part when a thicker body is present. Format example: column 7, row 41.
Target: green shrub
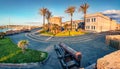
column 10, row 53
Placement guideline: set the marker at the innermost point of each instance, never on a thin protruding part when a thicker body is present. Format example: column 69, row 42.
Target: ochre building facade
column 98, row 22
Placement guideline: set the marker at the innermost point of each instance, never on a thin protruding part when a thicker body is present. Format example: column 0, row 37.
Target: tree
column 43, row 12
column 48, row 15
column 55, row 29
column 23, row 45
column 70, row 10
column 84, row 8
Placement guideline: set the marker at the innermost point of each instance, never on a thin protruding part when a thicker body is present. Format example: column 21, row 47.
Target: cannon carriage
column 68, row 57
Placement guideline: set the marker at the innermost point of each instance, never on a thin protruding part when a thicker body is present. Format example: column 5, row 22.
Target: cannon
column 67, row 56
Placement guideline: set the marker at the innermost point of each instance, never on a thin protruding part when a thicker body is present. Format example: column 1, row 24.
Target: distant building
column 98, row 23
column 75, row 23
column 56, row 20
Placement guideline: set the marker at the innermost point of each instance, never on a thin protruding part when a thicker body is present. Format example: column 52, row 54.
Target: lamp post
column 69, row 30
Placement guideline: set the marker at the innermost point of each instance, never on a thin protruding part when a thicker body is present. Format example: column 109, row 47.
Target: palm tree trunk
column 48, row 25
column 43, row 20
column 84, row 20
column 71, row 22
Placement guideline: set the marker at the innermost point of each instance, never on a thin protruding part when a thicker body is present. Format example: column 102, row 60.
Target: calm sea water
column 5, row 29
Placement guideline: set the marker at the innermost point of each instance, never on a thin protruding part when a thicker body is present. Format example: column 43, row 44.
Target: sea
column 5, row 29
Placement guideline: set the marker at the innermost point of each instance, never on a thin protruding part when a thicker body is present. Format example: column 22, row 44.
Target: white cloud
column 112, row 12
column 115, row 14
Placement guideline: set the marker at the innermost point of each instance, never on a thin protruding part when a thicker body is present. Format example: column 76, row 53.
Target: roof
column 98, row 14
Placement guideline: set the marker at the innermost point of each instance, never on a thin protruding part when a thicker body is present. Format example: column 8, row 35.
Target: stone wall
column 113, row 41
column 56, row 20
column 110, row 61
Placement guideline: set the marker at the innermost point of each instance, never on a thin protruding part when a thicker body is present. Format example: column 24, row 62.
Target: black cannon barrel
column 75, row 54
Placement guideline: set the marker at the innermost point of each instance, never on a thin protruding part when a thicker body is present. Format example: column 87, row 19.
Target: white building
column 98, row 23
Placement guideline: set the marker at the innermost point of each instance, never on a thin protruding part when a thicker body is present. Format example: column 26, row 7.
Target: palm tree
column 48, row 15
column 84, row 8
column 23, row 44
column 43, row 12
column 70, row 10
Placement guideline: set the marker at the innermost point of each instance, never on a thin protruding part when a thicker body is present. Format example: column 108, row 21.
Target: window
column 88, row 27
column 91, row 27
column 87, row 20
column 94, row 19
column 94, row 27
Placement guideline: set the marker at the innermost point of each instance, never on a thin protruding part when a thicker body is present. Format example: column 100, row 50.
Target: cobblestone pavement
column 92, row 47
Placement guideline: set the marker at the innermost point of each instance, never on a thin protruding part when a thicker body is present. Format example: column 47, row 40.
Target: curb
column 23, row 65
column 43, row 62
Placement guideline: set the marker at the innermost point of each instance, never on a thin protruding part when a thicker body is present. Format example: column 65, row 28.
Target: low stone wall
column 110, row 61
column 23, row 65
column 113, row 41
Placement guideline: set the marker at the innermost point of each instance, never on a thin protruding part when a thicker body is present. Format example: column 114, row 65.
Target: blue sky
column 27, row 11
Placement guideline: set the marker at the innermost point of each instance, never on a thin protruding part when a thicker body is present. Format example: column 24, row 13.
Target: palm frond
column 70, row 10
column 48, row 14
column 43, row 11
column 83, row 8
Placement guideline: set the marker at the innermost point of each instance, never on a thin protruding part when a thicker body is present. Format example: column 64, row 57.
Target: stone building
column 98, row 22
column 74, row 24
column 56, row 20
